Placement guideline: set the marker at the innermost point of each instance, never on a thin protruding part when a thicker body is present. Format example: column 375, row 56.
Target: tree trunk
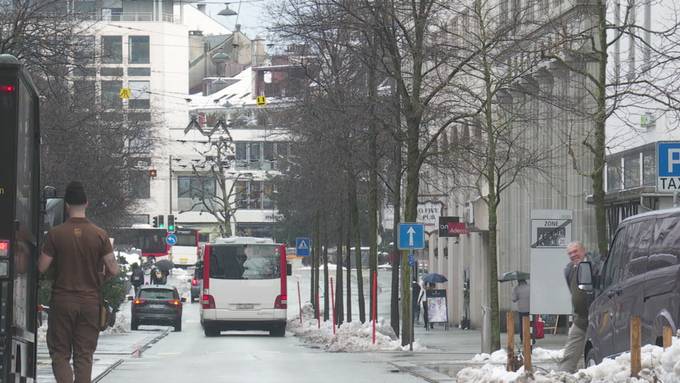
column 410, row 215
column 348, row 242
column 396, row 202
column 493, row 274
column 315, row 262
column 600, row 134
column 326, row 288
column 357, row 251
column 373, row 183
column 339, row 312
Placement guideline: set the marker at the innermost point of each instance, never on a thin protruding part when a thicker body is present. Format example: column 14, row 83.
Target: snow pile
column 130, row 258
column 501, row 356
column 657, row 366
column 122, row 325
column 349, row 337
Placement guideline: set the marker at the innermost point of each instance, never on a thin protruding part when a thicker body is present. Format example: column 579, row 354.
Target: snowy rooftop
column 238, row 93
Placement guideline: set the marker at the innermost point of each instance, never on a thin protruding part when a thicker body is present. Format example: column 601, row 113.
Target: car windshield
column 245, row 262
column 157, row 294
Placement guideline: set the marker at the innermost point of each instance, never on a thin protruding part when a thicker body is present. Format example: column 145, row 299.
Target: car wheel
column 178, row 326
column 278, row 331
column 211, row 332
column 591, row 359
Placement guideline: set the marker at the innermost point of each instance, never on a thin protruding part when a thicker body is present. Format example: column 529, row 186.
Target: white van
column 244, row 286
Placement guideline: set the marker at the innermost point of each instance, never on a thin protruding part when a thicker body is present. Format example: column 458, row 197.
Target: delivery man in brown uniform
column 82, row 257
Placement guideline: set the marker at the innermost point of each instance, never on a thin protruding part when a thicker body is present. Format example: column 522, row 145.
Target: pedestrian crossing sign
column 124, row 93
column 302, row 246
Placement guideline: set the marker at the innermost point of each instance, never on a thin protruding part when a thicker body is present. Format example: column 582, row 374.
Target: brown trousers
column 72, row 332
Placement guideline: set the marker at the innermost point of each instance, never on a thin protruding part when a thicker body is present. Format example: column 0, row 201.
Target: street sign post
column 302, row 246
column 171, row 239
column 411, row 236
column 668, row 166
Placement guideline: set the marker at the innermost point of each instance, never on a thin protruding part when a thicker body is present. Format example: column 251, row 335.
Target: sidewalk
column 112, row 349
column 449, row 351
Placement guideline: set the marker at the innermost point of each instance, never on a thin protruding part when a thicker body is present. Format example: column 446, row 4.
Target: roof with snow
column 238, row 93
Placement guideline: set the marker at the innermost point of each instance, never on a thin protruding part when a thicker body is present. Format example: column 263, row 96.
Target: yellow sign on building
column 124, row 93
column 261, row 101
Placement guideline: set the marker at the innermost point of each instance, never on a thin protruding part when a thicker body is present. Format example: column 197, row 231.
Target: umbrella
column 514, row 276
column 434, row 278
column 165, row 265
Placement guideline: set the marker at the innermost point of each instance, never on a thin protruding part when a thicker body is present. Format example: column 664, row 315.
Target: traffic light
column 171, row 223
column 155, row 221
column 161, row 221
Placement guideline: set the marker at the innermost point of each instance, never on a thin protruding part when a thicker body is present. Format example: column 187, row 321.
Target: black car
column 641, row 277
column 157, row 305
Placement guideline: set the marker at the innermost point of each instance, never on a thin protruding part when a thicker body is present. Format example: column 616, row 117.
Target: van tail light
column 138, row 302
column 207, row 301
column 4, row 248
column 194, row 282
column 281, row 302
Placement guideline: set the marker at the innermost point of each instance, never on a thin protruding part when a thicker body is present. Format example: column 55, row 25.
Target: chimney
column 201, row 7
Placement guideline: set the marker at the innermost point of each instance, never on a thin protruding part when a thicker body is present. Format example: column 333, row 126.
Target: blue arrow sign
column 302, row 246
column 171, row 239
column 411, row 236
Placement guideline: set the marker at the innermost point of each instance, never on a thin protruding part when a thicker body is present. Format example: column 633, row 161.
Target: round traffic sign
column 171, row 239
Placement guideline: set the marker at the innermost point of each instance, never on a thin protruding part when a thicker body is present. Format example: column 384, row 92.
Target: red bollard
column 375, row 306
column 333, row 304
column 299, row 301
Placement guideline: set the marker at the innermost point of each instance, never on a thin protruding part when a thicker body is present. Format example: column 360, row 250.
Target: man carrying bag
column 82, row 258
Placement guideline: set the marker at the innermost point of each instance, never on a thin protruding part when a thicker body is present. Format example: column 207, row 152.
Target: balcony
column 107, row 15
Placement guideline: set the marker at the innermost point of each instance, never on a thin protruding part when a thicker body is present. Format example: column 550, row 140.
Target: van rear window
column 244, row 262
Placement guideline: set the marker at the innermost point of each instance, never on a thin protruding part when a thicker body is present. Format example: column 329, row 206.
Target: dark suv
column 157, row 305
column 641, row 277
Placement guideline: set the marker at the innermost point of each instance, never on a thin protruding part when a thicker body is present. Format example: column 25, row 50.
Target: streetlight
column 227, row 11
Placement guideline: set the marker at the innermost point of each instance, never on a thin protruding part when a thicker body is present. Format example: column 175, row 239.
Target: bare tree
column 621, row 61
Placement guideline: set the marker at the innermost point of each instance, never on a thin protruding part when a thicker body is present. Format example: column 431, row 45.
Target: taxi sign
column 668, row 166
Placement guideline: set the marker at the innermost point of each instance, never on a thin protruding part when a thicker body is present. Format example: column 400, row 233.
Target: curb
column 429, row 375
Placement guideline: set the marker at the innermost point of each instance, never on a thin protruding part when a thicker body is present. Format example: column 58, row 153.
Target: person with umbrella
column 520, row 297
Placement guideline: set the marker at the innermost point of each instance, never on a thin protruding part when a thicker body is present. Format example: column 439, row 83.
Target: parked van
column 244, row 286
column 641, row 277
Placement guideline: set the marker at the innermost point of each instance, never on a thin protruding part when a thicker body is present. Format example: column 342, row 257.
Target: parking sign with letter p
column 668, row 166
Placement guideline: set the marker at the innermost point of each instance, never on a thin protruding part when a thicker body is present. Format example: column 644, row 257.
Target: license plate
column 245, row 306
column 156, row 306
column 183, row 260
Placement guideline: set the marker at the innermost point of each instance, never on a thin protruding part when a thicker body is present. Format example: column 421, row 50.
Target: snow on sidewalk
column 657, row 366
column 349, row 337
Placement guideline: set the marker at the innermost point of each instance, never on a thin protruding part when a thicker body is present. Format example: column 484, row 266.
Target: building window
column 194, row 191
column 631, row 175
column 112, row 72
column 254, row 194
column 141, row 72
column 614, row 174
column 258, row 230
column 112, row 49
column 140, row 184
column 140, row 98
column 111, row 94
column 649, row 168
column 138, row 50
